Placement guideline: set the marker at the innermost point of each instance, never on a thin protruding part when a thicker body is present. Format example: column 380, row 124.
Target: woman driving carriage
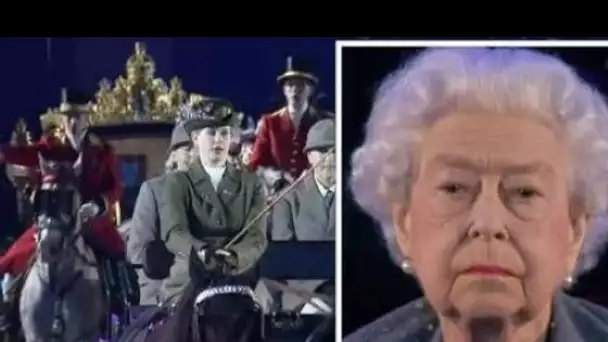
column 212, row 202
column 205, row 208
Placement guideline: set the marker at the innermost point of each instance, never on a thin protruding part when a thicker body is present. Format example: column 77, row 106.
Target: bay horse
column 214, row 307
column 61, row 298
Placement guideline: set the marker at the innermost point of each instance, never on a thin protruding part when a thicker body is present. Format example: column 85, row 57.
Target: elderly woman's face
column 488, row 226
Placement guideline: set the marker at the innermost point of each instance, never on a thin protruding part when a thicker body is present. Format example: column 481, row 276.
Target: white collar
column 214, row 169
column 215, row 174
column 324, row 190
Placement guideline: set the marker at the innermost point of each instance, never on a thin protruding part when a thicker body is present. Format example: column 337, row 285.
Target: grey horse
column 61, row 299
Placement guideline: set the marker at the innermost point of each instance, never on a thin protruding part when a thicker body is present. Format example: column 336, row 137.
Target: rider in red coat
column 100, row 185
column 281, row 135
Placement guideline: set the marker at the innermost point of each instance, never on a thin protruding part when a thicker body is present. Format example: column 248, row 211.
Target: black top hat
column 298, row 68
column 210, row 112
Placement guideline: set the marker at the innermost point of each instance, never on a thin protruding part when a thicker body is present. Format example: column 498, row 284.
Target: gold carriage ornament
column 53, row 121
column 135, row 113
column 137, row 96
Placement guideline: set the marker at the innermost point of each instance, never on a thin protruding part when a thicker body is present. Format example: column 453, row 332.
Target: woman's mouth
column 489, row 270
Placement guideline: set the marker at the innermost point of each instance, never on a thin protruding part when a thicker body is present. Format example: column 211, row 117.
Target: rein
column 276, row 200
column 194, row 323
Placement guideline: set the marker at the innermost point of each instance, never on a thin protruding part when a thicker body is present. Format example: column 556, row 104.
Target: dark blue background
column 241, row 69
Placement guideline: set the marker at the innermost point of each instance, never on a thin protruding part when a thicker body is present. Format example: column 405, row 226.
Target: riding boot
column 7, row 303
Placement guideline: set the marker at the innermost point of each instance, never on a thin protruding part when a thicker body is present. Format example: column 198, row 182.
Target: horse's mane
column 178, row 327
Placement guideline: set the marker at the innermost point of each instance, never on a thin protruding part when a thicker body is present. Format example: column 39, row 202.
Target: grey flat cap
column 179, row 137
column 321, row 135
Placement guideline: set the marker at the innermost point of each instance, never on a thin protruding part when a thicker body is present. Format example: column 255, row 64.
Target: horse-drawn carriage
column 135, row 114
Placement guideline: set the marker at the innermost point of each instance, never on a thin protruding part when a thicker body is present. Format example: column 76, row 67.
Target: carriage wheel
column 323, row 331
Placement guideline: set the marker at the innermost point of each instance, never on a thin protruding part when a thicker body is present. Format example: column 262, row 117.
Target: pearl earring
column 569, row 281
column 406, row 266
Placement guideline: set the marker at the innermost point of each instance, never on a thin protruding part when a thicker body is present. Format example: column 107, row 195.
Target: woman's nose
column 488, row 218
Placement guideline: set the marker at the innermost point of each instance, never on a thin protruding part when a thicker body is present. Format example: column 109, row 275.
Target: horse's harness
column 214, row 290
column 58, row 326
column 69, row 242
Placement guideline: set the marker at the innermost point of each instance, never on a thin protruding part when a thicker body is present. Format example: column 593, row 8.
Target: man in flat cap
column 144, row 243
column 241, row 147
column 308, row 213
column 207, row 205
column 247, row 141
column 281, row 136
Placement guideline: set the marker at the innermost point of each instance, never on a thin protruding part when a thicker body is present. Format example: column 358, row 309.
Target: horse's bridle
column 58, row 327
column 212, row 291
column 71, row 244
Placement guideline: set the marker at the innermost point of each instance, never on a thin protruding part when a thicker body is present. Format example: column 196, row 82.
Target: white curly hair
column 501, row 80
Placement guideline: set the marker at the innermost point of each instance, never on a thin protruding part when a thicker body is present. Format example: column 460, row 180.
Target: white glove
column 288, row 177
column 213, row 259
column 223, row 252
column 271, row 175
column 203, row 253
column 87, row 211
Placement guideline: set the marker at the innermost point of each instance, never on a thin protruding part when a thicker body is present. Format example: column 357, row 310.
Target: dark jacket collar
column 573, row 320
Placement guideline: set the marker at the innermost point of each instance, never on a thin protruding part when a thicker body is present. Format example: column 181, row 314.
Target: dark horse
column 214, row 307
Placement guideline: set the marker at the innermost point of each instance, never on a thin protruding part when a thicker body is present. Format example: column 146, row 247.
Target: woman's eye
column 453, row 188
column 526, row 192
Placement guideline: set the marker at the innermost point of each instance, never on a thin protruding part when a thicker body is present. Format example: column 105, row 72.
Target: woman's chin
column 488, row 304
